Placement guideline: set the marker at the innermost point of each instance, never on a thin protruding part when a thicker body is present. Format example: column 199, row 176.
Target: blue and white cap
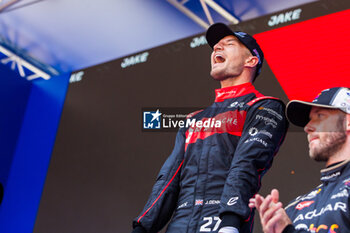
column 333, row 98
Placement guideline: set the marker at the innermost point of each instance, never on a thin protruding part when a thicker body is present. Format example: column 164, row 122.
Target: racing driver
column 206, row 182
column 326, row 120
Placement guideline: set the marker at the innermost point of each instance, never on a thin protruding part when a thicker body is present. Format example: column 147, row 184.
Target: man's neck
column 341, row 155
column 229, row 82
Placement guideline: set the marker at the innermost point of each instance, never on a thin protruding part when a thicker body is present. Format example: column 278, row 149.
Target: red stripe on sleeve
column 172, row 178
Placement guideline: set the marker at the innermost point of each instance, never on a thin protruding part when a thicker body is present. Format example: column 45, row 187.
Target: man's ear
column 347, row 117
column 252, row 61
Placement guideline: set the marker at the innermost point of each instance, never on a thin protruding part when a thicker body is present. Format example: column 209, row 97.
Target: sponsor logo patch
column 256, row 140
column 303, row 204
column 338, row 206
column 253, row 131
column 330, row 176
column 310, row 195
column 183, row 205
column 232, row 201
column 343, row 193
column 272, row 112
column 236, row 105
column 267, row 120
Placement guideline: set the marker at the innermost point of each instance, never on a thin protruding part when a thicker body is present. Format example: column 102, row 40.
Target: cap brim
column 216, row 32
column 298, row 111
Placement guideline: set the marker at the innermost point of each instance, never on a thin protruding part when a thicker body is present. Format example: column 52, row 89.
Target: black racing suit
column 326, row 208
column 207, row 181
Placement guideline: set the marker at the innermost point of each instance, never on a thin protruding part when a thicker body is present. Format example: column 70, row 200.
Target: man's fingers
column 270, row 212
column 268, row 229
column 265, row 204
column 263, row 208
column 251, row 203
column 270, row 225
column 279, row 221
column 275, row 195
column 258, row 200
column 268, row 208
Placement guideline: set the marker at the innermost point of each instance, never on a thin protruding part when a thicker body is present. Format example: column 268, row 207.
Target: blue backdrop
column 30, row 113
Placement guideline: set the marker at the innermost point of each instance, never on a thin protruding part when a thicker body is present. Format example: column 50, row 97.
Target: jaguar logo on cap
column 318, row 95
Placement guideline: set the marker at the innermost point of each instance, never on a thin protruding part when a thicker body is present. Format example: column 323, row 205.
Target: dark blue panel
column 32, row 155
column 14, row 93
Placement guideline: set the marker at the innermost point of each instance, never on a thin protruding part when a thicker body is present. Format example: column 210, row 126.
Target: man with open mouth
column 206, row 183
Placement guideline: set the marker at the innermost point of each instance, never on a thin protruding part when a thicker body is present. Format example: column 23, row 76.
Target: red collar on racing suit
column 235, row 91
